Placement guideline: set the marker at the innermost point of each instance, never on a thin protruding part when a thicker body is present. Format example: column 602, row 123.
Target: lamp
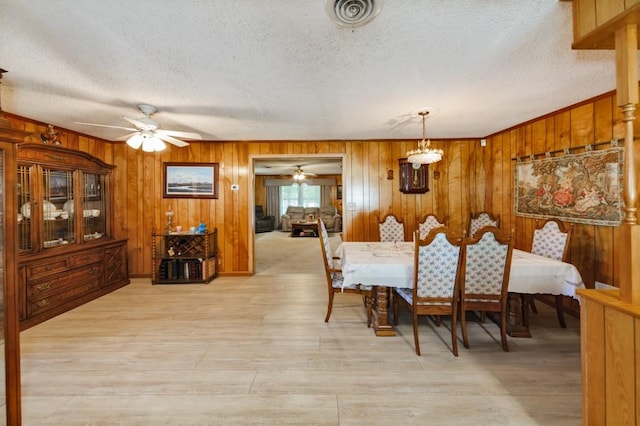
column 424, row 154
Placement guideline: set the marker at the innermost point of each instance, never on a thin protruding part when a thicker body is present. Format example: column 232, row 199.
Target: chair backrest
column 391, row 229
column 551, row 239
column 437, row 264
column 429, row 222
column 325, row 244
column 487, row 261
column 259, row 212
column 480, row 220
column 332, row 273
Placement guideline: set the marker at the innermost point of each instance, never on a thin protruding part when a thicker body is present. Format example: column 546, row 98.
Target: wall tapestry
column 582, row 188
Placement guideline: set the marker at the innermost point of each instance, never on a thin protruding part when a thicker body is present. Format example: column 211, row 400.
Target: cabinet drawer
column 45, row 288
column 51, row 267
column 86, row 258
column 78, row 289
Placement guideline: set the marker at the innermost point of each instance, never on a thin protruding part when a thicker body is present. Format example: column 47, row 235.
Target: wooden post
column 627, row 91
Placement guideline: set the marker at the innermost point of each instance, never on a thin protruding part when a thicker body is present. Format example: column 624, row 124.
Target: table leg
column 515, row 323
column 381, row 323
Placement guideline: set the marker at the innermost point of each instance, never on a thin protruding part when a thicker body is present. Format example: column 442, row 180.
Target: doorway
column 283, row 167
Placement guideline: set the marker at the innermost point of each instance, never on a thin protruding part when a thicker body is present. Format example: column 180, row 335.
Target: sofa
column 329, row 215
column 264, row 223
column 332, row 220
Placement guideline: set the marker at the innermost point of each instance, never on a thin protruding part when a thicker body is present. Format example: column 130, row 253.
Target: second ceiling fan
column 300, row 174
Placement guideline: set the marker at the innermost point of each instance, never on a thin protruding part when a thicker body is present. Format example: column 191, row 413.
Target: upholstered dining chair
column 477, row 221
column 437, row 265
column 334, row 277
column 550, row 239
column 428, row 223
column 391, row 229
column 485, row 282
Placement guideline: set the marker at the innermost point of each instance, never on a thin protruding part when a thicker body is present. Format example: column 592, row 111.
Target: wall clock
column 413, row 178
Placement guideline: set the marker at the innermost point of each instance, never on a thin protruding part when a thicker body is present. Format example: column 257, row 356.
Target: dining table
column 384, row 265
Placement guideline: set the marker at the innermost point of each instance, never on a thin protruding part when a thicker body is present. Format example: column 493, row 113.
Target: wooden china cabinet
column 67, row 255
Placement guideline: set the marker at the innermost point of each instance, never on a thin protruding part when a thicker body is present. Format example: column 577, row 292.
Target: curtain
column 325, row 195
column 273, row 204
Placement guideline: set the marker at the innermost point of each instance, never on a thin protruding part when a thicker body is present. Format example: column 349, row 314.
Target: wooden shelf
column 182, row 258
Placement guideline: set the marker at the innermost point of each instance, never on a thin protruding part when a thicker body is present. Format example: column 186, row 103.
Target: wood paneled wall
column 471, row 178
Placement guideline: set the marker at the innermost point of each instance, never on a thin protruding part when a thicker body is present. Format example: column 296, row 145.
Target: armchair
column 264, row 223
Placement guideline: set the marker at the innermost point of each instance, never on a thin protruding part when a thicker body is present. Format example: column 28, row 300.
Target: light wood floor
column 255, row 350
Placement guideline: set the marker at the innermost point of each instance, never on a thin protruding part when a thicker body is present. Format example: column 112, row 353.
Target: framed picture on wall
column 339, row 193
column 190, row 180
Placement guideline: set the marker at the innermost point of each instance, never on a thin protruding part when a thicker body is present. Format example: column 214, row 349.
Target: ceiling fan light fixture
column 135, row 141
column 298, row 175
column 152, row 143
column 425, row 154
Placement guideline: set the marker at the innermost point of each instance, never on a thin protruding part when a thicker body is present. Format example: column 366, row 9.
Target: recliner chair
column 264, row 223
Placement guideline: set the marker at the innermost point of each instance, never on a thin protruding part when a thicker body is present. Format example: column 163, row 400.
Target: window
column 299, row 196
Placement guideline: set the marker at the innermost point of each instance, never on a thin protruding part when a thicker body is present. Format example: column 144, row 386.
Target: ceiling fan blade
column 104, row 125
column 127, row 136
column 142, row 125
column 172, row 140
column 179, row 134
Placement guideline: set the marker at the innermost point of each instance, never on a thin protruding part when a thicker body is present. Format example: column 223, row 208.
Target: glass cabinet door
column 94, row 214
column 24, row 206
column 57, row 207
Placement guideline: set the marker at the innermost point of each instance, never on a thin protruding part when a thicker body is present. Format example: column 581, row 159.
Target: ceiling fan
column 146, row 133
column 300, row 174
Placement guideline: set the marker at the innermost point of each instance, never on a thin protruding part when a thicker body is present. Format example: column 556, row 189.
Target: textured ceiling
column 281, row 69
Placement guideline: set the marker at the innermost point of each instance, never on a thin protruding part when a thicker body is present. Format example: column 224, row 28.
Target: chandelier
column 424, row 154
column 147, row 140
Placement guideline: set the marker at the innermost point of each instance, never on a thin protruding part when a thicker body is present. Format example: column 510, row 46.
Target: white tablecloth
column 384, row 264
column 533, row 274
column 391, row 265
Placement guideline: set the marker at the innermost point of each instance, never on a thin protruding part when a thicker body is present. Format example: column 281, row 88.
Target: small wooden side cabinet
column 184, row 257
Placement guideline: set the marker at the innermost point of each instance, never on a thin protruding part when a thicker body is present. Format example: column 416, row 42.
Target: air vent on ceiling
column 353, row 13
